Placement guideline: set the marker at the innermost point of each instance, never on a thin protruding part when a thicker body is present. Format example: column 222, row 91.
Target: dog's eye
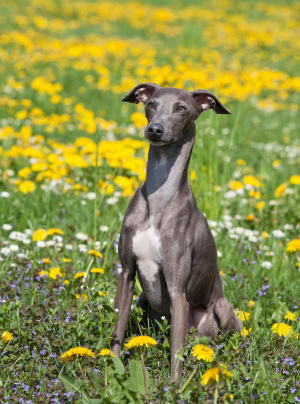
column 151, row 105
column 181, row 108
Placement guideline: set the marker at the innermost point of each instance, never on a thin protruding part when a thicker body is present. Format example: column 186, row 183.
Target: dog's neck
column 167, row 170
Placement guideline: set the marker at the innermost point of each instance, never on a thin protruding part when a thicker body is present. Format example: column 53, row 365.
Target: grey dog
column 165, row 237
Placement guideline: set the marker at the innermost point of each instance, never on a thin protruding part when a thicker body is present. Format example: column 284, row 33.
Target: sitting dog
column 165, row 237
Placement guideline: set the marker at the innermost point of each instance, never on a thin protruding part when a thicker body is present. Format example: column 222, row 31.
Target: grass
column 244, row 52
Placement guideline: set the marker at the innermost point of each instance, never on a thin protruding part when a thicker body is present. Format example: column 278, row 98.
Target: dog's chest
column 146, row 246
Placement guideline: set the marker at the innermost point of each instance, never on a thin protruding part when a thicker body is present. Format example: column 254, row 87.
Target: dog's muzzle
column 154, row 131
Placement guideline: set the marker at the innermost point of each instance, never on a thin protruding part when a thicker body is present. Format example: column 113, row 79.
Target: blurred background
column 72, row 155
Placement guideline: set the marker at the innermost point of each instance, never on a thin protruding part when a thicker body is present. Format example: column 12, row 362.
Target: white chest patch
column 146, row 247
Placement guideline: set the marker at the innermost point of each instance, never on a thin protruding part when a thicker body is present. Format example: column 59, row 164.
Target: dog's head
column 170, row 111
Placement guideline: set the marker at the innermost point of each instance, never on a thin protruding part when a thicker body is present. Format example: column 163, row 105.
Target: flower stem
column 145, row 373
column 216, row 393
column 81, row 370
column 105, row 377
column 188, row 380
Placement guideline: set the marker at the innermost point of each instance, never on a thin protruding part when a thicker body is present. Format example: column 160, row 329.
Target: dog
column 165, row 238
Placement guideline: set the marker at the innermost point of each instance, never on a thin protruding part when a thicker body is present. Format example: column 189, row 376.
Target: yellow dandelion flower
column 141, row 341
column 290, row 316
column 298, row 264
column 251, row 303
column 46, row 261
column 280, row 190
column 243, row 315
column 41, row 273
column 81, row 297
column 293, row 245
column 50, row 232
column 27, row 186
column 66, row 260
column 66, row 282
column 193, row 175
column 107, row 352
column 97, row 270
column 245, row 332
column 102, row 294
column 265, row 234
column 260, row 205
column 54, row 273
column 235, row 185
column 71, row 354
column 203, row 352
column 228, row 396
column 213, row 374
column 251, row 180
column 6, row 336
column 241, row 162
column 281, row 329
column 79, row 275
column 250, row 217
column 295, row 179
column 276, row 163
column 39, row 235
column 96, row 253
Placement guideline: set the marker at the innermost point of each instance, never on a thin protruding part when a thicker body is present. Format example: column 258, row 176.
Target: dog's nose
column 154, row 131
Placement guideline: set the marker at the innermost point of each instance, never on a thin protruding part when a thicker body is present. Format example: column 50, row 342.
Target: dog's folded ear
column 206, row 100
column 140, row 93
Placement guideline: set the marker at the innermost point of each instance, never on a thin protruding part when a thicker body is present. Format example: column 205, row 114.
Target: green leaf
column 106, row 307
column 71, row 383
column 94, row 380
column 291, row 398
column 77, row 386
column 136, row 381
column 118, row 366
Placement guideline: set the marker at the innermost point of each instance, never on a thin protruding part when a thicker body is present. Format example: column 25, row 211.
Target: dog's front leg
column 179, row 324
column 123, row 301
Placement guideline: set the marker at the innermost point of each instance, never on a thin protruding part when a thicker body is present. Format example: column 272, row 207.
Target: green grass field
column 72, row 155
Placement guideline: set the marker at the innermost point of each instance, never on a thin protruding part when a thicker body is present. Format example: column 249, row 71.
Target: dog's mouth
column 158, row 142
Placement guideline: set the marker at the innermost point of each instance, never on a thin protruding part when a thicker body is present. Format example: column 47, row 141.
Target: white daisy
column 270, row 253
column 5, row 194
column 82, row 248
column 14, row 248
column 5, row 251
column 112, row 201
column 7, row 227
column 103, row 228
column 82, row 236
column 266, row 264
column 91, row 196
column 41, row 244
column 278, row 234
column 230, row 195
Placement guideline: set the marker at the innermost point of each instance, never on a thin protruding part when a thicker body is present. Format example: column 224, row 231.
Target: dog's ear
column 140, row 93
column 206, row 100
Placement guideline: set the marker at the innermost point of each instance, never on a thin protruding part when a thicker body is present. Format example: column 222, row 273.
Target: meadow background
column 72, row 155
